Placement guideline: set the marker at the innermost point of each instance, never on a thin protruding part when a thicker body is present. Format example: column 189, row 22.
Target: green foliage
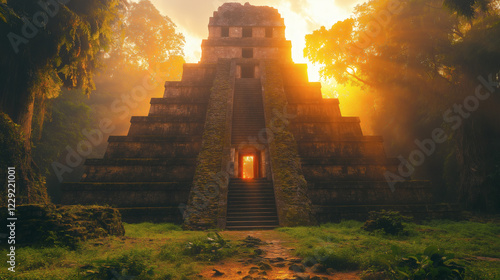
column 151, row 229
column 418, row 63
column 128, row 66
column 340, row 245
column 335, row 257
column 467, row 8
column 131, row 264
column 66, row 226
column 347, row 244
column 211, row 248
column 64, row 52
column 388, row 221
column 149, row 37
column 66, row 117
column 202, row 210
column 30, row 258
column 432, row 264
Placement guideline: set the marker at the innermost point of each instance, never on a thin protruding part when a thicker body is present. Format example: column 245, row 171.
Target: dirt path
column 272, row 258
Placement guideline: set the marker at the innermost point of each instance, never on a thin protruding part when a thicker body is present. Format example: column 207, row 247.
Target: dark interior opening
column 247, row 32
column 248, row 71
column 269, row 32
column 247, row 53
column 224, row 31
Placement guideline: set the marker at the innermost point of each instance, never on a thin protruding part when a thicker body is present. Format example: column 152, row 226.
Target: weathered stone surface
column 176, row 162
column 294, row 206
column 318, row 268
column 297, row 268
column 66, row 225
column 202, row 210
column 302, row 276
column 236, row 14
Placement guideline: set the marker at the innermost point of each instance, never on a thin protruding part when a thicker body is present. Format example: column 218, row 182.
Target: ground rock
column 297, row 268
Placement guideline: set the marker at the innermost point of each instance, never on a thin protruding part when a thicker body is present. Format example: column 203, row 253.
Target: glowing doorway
column 248, row 167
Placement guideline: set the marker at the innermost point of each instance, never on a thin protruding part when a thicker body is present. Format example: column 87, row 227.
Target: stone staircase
column 248, row 111
column 251, row 205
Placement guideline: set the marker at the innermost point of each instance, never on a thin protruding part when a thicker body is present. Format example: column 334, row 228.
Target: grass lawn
column 164, row 251
column 345, row 246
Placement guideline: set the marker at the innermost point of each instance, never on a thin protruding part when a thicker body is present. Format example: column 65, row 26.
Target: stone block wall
column 344, row 169
column 148, row 173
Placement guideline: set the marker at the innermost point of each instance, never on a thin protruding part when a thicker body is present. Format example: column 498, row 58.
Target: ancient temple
column 245, row 141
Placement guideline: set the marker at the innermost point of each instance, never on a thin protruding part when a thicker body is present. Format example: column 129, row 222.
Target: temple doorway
column 249, row 167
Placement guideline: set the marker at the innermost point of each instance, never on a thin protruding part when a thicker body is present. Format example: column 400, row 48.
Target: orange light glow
column 248, row 172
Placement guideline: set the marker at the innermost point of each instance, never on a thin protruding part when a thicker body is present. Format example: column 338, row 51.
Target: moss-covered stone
column 66, row 225
column 294, row 207
column 29, row 183
column 203, row 206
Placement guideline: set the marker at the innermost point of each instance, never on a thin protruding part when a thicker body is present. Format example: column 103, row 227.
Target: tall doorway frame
column 257, row 172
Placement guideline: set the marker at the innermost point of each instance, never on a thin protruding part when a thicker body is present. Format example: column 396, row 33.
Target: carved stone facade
column 246, row 101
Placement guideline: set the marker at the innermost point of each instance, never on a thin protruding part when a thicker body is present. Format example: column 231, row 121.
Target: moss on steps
column 203, row 205
column 294, row 207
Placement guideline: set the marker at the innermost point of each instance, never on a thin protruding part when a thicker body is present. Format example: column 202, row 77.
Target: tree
column 50, row 44
column 418, row 60
column 150, row 38
column 467, row 8
column 130, row 76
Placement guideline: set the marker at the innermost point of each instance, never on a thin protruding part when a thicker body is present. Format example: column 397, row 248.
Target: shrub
column 342, row 259
column 433, row 264
column 211, row 248
column 388, row 221
column 131, row 265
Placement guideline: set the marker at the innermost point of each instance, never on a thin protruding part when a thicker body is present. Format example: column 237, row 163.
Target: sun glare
column 299, row 22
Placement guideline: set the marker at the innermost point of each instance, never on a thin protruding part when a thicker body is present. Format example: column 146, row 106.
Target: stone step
column 251, row 188
column 249, row 201
column 155, row 138
column 242, row 125
column 152, row 149
column 250, row 182
column 253, row 213
column 249, row 121
column 253, row 223
column 179, row 101
column 248, row 111
column 253, row 218
column 245, row 136
column 249, row 193
column 250, row 205
column 348, row 160
column 247, row 228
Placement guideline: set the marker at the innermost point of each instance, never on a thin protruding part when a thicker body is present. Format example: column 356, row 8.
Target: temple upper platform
column 246, row 31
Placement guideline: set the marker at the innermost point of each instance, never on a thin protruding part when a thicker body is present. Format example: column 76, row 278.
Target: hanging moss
column 203, row 204
column 294, row 207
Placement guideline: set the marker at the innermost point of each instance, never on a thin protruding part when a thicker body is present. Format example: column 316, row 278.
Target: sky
column 301, row 18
